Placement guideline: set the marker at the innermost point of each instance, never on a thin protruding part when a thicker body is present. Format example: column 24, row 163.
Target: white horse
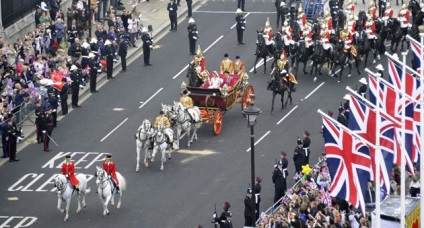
column 142, row 137
column 185, row 123
column 106, row 189
column 161, row 143
column 65, row 191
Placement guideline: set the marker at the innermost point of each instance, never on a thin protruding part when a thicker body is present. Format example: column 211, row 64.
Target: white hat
column 144, row 29
column 44, row 6
column 108, row 42
column 91, row 55
column 363, row 81
column 346, row 97
column 282, row 3
column 93, row 40
column 85, row 45
column 73, row 67
column 379, row 67
column 395, row 56
column 191, row 20
column 239, row 11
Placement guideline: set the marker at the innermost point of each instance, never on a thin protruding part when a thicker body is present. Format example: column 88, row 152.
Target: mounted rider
column 325, row 39
column 282, row 63
column 372, row 11
column 110, row 167
column 68, row 169
column 301, row 18
column 403, row 17
column 328, row 21
column 388, row 13
column 226, row 65
column 199, row 59
column 351, row 24
column 370, row 30
column 307, row 37
column 350, row 8
column 267, row 33
column 347, row 38
column 187, row 103
column 286, row 32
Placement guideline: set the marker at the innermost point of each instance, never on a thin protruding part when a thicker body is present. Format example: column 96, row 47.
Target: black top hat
column 299, row 142
column 108, row 156
column 185, row 92
column 226, row 55
column 68, row 156
column 237, row 57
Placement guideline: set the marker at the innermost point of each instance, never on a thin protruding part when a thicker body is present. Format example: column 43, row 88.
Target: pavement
column 153, row 13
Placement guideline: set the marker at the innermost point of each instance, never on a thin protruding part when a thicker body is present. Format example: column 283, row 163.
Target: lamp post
column 251, row 113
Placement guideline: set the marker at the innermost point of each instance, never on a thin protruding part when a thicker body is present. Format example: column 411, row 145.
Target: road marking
column 284, row 117
column 232, row 12
column 182, row 136
column 236, row 22
column 196, row 152
column 141, row 106
column 260, row 63
column 12, row 198
column 267, row 133
column 313, row 91
column 189, row 159
column 185, row 68
column 114, row 130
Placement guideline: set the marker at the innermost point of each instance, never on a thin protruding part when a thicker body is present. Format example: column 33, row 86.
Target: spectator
column 60, row 30
column 38, row 14
column 100, row 32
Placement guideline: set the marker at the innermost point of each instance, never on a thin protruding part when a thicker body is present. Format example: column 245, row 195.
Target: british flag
column 363, row 121
column 391, row 103
column 416, row 60
column 349, row 164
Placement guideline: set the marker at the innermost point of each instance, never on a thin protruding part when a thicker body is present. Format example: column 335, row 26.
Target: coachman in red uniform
column 110, row 167
column 68, row 169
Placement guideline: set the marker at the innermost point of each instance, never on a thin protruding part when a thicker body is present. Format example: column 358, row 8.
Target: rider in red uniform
column 110, row 167
column 68, row 169
column 372, row 10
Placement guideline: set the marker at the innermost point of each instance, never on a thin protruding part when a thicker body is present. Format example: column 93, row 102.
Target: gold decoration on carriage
column 245, row 78
column 224, row 90
column 183, row 86
column 204, row 75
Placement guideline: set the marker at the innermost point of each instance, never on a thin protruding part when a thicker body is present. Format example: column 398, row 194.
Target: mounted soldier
column 282, row 63
column 372, row 11
column 199, row 59
column 267, row 33
column 347, row 38
column 370, row 30
column 328, row 21
column 325, row 39
column 350, row 8
column 287, row 33
column 403, row 17
column 307, row 36
column 168, row 131
column 301, row 18
column 388, row 13
column 351, row 24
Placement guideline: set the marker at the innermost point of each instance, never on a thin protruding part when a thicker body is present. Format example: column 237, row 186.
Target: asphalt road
column 215, row 169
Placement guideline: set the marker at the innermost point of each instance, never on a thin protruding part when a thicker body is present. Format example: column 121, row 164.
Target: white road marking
column 196, row 152
column 12, row 198
column 232, row 12
column 260, row 63
column 267, row 133
column 284, row 117
column 189, row 159
column 313, row 91
column 236, row 22
column 113, row 130
column 141, row 106
column 185, row 68
column 182, row 136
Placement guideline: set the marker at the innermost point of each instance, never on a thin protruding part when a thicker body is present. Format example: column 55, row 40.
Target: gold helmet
column 371, row 4
column 404, row 6
column 199, row 51
column 388, row 5
column 267, row 24
column 344, row 34
column 300, row 10
column 326, row 12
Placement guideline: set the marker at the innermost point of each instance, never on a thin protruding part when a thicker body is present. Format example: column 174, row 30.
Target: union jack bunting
column 416, row 52
column 363, row 121
column 349, row 164
column 391, row 103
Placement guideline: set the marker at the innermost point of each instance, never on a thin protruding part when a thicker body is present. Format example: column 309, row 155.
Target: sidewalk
column 153, row 13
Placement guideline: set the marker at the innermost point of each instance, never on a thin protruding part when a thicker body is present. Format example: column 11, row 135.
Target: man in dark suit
column 248, row 208
column 172, row 9
column 122, row 52
column 189, row 10
column 241, row 26
column 64, row 97
column 147, row 46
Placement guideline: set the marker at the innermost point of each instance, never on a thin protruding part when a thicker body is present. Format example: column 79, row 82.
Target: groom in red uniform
column 68, row 169
column 110, row 167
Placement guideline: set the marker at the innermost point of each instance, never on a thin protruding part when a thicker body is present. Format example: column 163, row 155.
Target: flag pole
column 377, row 162
column 402, row 158
column 422, row 124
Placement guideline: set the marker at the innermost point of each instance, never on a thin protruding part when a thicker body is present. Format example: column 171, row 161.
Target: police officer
column 48, row 128
column 279, row 178
column 258, row 189
column 282, row 10
column 12, row 138
column 75, row 78
column 94, row 67
column 147, row 46
column 64, row 96
column 109, row 59
column 192, row 35
column 341, row 118
column 248, row 208
column 122, row 52
column 39, row 113
column 172, row 11
column 241, row 26
column 306, row 144
column 299, row 156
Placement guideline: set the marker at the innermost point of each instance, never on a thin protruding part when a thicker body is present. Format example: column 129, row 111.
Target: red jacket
column 389, row 13
column 330, row 24
column 373, row 12
column 110, row 168
column 68, row 168
column 302, row 17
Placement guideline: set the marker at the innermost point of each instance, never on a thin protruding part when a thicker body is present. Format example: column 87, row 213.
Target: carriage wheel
column 246, row 97
column 217, row 122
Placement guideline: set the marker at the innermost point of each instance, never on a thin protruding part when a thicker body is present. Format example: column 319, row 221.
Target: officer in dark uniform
column 227, row 222
column 363, row 89
column 147, row 46
column 279, row 178
column 48, row 129
column 94, row 47
column 64, row 97
column 85, row 49
column 258, row 189
column 189, row 5
column 12, row 138
column 4, row 142
column 240, row 4
column 109, row 59
column 94, row 67
column 282, row 10
column 192, row 35
column 341, row 118
column 39, row 115
column 241, row 26
column 299, row 156
column 248, row 208
column 172, row 11
column 54, row 104
column 306, row 144
column 122, row 52
column 334, row 7
column 223, row 215
column 76, row 78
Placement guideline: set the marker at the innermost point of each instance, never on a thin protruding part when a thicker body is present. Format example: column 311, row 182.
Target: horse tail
column 122, row 182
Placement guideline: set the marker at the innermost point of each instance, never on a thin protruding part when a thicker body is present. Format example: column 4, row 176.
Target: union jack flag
column 348, row 162
column 326, row 198
column 391, row 103
column 363, row 121
column 416, row 52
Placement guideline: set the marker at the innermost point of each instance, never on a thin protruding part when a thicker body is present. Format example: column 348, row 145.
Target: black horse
column 302, row 55
column 362, row 45
column 339, row 58
column 395, row 34
column 278, row 85
column 339, row 19
column 318, row 59
column 316, row 28
column 262, row 51
column 279, row 47
column 193, row 78
column 362, row 19
column 417, row 15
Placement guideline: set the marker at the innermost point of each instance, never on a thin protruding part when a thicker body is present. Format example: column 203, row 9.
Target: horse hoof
column 338, row 82
column 315, row 79
column 349, row 75
column 136, row 169
column 84, row 205
column 66, row 219
column 78, row 211
column 373, row 61
column 161, row 169
column 118, row 206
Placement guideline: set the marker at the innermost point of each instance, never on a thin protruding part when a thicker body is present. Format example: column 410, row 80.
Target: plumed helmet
column 91, row 55
column 73, row 67
column 108, row 42
column 388, row 5
column 283, row 54
column 239, row 10
column 267, row 24
column 326, row 12
column 372, row 4
column 300, row 10
column 191, row 20
column 199, row 50
column 404, row 6
column 144, row 29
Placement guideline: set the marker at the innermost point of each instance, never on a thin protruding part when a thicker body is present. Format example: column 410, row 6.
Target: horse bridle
column 163, row 133
column 103, row 180
column 60, row 187
column 184, row 114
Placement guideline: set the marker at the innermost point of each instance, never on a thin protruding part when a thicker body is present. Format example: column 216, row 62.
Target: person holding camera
column 147, row 45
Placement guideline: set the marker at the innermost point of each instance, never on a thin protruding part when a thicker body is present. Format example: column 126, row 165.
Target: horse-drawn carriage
column 214, row 102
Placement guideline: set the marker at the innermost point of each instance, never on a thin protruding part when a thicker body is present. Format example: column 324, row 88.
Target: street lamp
column 251, row 113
